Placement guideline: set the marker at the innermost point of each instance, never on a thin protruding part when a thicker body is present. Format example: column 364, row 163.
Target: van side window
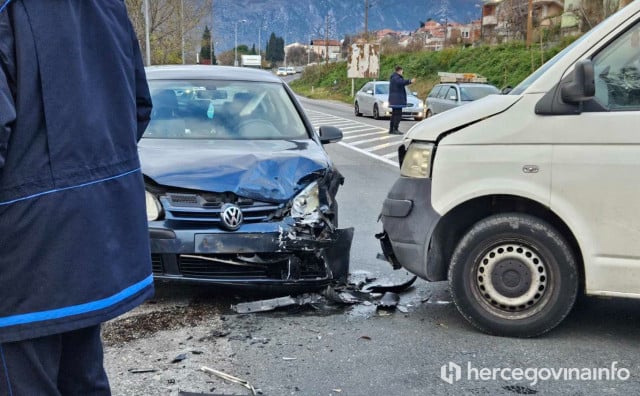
column 617, row 72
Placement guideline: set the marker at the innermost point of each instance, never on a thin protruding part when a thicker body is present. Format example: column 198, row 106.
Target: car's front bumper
column 408, row 221
column 417, row 112
column 276, row 253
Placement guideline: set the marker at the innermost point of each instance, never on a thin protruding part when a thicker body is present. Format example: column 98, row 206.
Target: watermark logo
column 452, row 372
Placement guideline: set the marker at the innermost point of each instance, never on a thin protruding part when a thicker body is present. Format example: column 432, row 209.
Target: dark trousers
column 61, row 364
column 396, row 116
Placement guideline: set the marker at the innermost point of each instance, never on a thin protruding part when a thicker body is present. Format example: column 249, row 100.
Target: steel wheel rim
column 512, row 278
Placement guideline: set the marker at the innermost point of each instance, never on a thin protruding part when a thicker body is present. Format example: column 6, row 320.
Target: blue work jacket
column 74, row 243
column 397, row 91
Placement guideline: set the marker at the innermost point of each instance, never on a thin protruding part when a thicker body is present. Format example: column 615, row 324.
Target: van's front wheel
column 513, row 275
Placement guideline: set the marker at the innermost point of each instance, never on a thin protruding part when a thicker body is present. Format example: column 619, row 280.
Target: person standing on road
column 74, row 242
column 397, row 98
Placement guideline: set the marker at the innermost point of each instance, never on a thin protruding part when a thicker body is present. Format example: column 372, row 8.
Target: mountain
column 300, row 20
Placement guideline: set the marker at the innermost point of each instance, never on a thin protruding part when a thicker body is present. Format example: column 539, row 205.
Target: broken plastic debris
column 397, row 288
column 179, row 358
column 229, row 378
column 389, row 300
column 142, row 370
column 273, row 303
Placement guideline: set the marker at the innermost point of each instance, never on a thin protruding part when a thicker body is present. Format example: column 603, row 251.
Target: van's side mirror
column 581, row 85
column 329, row 134
column 370, row 91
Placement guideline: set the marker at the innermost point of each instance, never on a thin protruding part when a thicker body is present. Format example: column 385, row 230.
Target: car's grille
column 229, row 266
column 206, row 208
column 203, row 268
column 156, row 264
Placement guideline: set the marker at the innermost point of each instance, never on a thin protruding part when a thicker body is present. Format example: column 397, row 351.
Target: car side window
column 452, row 94
column 443, row 91
column 434, row 91
column 367, row 87
column 617, row 72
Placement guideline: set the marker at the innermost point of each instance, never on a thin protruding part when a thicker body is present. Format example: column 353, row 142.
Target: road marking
column 357, row 133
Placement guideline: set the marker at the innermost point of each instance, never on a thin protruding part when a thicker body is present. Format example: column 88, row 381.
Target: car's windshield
column 469, row 93
column 211, row 109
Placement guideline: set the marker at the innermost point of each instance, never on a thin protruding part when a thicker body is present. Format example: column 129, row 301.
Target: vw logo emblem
column 231, row 216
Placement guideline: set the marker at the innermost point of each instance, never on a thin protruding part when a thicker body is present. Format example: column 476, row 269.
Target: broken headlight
column 306, row 202
column 153, row 206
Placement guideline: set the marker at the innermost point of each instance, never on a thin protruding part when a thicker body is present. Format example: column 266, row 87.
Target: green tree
column 253, row 50
column 275, row 49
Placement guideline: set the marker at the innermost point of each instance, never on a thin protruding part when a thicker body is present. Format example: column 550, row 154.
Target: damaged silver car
column 240, row 190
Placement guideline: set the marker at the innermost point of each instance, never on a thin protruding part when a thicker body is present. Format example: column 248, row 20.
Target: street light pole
column 235, row 56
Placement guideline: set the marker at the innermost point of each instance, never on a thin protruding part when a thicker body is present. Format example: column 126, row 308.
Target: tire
column 356, row 110
column 418, row 118
column 429, row 114
column 513, row 275
column 376, row 112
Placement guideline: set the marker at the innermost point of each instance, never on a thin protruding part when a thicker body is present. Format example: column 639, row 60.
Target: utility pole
column 530, row 24
column 146, row 32
column 366, row 20
column 182, row 27
column 326, row 41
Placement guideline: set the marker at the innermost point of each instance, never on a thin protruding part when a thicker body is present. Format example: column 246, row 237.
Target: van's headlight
column 306, row 202
column 153, row 206
column 417, row 161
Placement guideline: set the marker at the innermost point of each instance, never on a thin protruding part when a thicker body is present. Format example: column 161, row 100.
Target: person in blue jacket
column 397, row 98
column 74, row 243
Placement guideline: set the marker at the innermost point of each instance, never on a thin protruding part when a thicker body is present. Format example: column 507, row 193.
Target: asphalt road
column 359, row 350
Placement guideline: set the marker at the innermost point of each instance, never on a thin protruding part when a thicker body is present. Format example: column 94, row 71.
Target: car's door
column 366, row 99
column 596, row 169
column 439, row 102
column 450, row 99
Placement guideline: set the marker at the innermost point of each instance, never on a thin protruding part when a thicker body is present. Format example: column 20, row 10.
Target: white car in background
column 282, row 71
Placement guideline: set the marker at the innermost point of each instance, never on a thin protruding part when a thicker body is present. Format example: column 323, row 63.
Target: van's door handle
column 530, row 169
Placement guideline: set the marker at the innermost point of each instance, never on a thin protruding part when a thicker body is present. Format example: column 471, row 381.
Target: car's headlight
column 417, row 161
column 306, row 202
column 420, row 103
column 385, row 104
column 153, row 206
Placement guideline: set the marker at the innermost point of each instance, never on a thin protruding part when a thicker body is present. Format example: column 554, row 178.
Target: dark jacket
column 397, row 92
column 73, row 103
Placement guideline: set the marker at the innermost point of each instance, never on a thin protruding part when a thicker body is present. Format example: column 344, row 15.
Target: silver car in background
column 373, row 100
column 446, row 96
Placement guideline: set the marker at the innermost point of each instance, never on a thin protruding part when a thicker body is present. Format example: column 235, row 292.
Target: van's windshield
column 520, row 88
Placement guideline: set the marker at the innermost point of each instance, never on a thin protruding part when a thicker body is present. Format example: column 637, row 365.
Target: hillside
column 506, row 64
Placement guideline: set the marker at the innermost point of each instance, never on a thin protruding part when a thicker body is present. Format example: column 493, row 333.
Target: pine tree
column 205, row 47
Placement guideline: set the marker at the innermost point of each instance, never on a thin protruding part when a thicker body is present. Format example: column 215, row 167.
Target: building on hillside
column 504, row 20
column 580, row 15
column 326, row 49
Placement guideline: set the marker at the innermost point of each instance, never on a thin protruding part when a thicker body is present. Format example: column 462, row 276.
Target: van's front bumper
column 408, row 221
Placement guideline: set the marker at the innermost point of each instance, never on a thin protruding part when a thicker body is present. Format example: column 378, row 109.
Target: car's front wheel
column 429, row 113
column 376, row 112
column 513, row 275
column 356, row 110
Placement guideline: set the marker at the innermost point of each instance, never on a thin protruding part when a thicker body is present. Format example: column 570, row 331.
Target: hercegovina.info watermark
column 452, row 372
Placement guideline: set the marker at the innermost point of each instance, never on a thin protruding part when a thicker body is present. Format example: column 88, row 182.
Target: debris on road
column 229, row 378
column 142, row 370
column 389, row 300
column 384, row 295
column 179, row 358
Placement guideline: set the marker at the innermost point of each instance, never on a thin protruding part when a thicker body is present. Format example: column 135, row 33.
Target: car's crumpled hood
column 268, row 170
column 431, row 128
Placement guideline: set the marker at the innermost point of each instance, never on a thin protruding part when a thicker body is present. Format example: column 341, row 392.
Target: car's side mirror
column 329, row 134
column 414, row 93
column 453, row 97
column 370, row 91
column 581, row 84
column 506, row 90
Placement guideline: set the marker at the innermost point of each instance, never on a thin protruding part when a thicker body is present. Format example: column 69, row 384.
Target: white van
column 523, row 200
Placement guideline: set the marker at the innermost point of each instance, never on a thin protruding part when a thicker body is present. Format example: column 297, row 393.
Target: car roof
column 202, row 72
